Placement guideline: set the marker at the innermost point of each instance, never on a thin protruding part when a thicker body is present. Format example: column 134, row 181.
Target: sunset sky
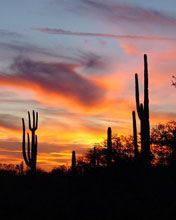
column 74, row 62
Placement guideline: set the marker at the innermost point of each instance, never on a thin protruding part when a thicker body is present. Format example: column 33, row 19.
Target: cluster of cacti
column 30, row 151
column 143, row 114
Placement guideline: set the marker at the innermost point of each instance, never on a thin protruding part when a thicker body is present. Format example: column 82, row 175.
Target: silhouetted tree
column 20, row 168
column 8, row 169
column 143, row 114
column 83, row 165
column 122, row 152
column 97, row 156
column 59, row 171
column 164, row 136
column 30, row 152
column 92, row 156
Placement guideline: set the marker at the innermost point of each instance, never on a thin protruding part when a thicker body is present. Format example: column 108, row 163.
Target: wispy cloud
column 24, row 48
column 9, row 34
column 8, row 121
column 92, row 61
column 118, row 11
column 104, row 35
column 160, row 116
column 87, row 59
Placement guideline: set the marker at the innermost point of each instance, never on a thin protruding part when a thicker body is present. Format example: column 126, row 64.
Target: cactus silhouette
column 136, row 151
column 73, row 165
column 109, row 147
column 30, row 152
column 143, row 114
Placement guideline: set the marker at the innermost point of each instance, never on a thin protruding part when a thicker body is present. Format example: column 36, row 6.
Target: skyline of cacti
column 143, row 114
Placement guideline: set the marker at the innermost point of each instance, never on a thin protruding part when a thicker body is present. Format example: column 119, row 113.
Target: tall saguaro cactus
column 143, row 114
column 30, row 152
column 109, row 147
column 136, row 152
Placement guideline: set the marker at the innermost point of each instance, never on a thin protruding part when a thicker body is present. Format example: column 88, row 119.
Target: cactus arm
column 29, row 148
column 36, row 124
column 29, row 117
column 138, row 106
column 33, row 146
column 135, row 134
column 35, row 121
column 33, row 113
column 146, row 96
column 36, row 148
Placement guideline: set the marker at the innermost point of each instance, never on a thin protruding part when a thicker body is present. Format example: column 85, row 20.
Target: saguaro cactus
column 73, row 165
column 136, row 152
column 143, row 114
column 30, row 152
column 109, row 147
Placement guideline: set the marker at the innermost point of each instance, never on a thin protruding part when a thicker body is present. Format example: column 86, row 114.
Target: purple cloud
column 54, row 78
column 92, row 61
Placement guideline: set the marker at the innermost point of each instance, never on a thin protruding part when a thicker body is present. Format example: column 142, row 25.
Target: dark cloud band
column 54, row 78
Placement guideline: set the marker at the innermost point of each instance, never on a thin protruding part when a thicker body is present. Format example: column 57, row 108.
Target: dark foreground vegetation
column 126, row 193
column 109, row 182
